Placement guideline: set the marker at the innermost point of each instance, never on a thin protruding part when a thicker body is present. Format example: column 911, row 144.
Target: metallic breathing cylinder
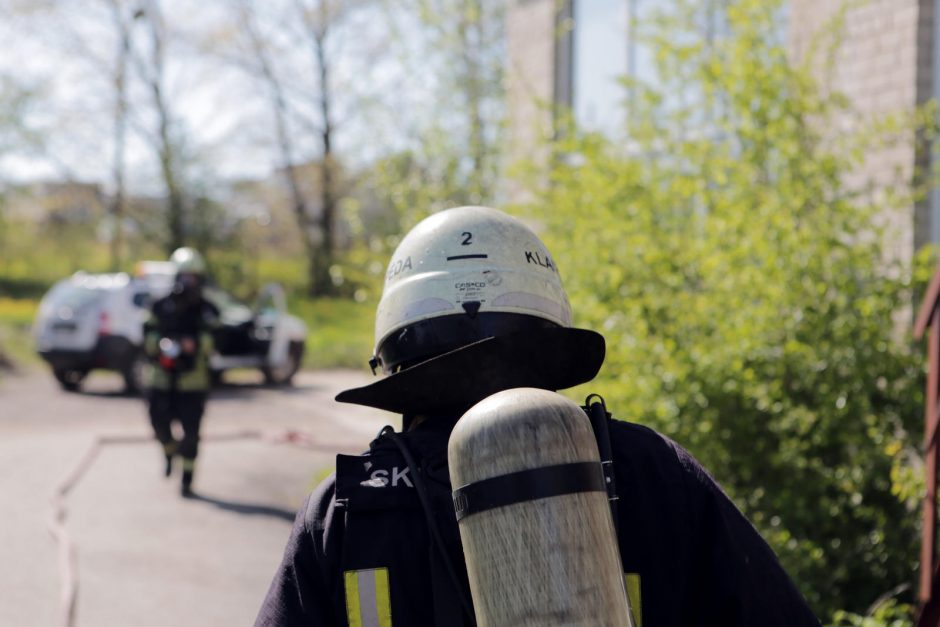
column 534, row 519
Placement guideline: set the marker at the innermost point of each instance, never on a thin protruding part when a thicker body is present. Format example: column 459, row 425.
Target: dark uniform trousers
column 186, row 407
column 360, row 553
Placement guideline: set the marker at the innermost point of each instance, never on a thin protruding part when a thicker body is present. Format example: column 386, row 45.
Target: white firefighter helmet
column 473, row 304
column 460, row 276
column 188, row 260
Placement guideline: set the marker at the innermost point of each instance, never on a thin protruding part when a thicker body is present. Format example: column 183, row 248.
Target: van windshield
column 74, row 296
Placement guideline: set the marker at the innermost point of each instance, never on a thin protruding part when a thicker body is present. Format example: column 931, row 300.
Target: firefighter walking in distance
column 178, row 340
column 473, row 305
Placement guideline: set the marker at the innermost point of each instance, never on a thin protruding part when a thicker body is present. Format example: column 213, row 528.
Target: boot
column 186, row 485
column 169, row 450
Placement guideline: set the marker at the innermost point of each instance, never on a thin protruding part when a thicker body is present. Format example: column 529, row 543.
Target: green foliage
column 16, row 317
column 340, row 331
column 465, row 45
column 888, row 613
column 34, row 255
column 752, row 310
column 18, row 311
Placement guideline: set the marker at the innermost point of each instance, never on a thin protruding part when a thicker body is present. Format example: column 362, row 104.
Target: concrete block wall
column 530, row 81
column 884, row 65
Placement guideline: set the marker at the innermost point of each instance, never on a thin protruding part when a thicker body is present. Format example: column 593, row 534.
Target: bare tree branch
column 152, row 71
column 278, row 103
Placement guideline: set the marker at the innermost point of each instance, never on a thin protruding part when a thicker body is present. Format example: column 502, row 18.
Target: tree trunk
column 301, row 207
column 120, row 126
column 175, row 223
column 322, row 280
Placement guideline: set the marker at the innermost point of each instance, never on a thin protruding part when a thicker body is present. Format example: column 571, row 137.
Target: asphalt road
column 143, row 555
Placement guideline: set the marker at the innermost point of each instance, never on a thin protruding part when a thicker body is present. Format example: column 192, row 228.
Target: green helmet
column 188, row 260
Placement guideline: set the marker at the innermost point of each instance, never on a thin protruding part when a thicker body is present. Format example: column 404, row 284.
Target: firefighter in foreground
column 178, row 340
column 472, row 305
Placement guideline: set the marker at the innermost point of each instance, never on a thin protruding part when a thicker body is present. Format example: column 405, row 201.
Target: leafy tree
column 16, row 135
column 751, row 308
column 466, row 48
column 451, row 105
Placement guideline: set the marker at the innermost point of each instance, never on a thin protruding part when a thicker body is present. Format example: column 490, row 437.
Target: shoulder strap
column 597, row 412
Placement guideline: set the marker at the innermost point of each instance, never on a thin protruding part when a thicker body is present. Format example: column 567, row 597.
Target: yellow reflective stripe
column 368, row 600
column 383, row 599
column 633, row 596
column 353, row 616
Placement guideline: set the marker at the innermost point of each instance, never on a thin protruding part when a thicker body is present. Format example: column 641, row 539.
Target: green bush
column 752, row 308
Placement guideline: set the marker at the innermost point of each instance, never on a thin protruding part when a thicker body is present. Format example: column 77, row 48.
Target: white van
column 92, row 321
column 95, row 321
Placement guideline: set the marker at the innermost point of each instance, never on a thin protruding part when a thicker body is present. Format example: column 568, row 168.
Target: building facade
column 571, row 53
column 885, row 64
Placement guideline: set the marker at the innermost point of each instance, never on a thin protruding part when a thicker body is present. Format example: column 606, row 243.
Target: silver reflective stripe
column 367, row 599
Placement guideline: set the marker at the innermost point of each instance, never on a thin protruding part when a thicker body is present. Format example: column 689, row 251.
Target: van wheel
column 135, row 374
column 283, row 374
column 70, row 380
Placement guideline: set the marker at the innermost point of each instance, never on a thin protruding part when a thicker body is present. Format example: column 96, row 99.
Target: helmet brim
column 551, row 359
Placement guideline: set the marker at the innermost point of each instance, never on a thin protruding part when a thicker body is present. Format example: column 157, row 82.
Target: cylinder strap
column 528, row 485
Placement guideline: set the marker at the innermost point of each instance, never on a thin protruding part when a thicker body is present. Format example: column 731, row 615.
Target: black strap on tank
column 528, row 485
column 597, row 412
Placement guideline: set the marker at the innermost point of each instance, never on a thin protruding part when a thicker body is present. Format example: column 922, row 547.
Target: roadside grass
column 16, row 318
column 339, row 331
column 320, row 475
column 18, row 311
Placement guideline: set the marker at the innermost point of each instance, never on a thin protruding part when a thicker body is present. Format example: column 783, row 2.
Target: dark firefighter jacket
column 169, row 317
column 360, row 552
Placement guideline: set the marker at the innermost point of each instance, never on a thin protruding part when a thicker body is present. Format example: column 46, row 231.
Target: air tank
column 534, row 519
